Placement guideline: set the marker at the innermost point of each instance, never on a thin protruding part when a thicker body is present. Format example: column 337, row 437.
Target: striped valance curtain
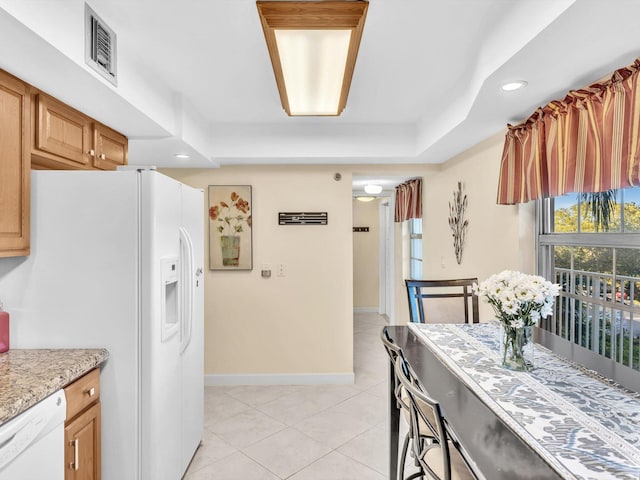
column 409, row 200
column 588, row 142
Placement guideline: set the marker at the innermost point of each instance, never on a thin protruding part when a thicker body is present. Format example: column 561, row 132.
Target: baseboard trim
column 365, row 309
column 280, row 379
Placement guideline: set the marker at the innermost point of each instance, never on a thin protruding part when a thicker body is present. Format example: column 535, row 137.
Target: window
column 590, row 245
column 415, row 248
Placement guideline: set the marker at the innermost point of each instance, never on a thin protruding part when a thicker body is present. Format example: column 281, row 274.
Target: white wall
column 43, row 44
column 366, row 256
column 295, row 328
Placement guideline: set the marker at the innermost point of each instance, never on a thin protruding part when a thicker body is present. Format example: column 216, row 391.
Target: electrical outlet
column 266, row 270
column 281, row 270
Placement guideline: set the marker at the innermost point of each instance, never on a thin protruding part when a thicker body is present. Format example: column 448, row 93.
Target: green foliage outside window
column 566, row 219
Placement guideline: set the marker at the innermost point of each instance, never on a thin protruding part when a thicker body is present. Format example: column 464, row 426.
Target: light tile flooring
column 328, row 432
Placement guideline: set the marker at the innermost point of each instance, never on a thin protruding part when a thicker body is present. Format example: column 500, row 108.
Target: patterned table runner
column 584, row 425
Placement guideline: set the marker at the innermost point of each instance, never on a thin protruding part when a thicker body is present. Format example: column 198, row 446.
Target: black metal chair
column 402, row 401
column 434, row 449
column 420, row 290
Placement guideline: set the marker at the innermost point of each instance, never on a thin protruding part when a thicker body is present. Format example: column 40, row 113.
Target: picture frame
column 230, row 232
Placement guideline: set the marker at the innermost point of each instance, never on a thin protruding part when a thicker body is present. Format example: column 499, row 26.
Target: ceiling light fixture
column 182, row 156
column 365, row 198
column 511, row 86
column 373, row 189
column 313, row 47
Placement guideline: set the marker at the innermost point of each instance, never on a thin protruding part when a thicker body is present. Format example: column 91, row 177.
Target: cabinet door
column 110, row 148
column 82, row 446
column 15, row 166
column 63, row 135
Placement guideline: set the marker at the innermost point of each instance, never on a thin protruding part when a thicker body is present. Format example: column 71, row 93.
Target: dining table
column 559, row 420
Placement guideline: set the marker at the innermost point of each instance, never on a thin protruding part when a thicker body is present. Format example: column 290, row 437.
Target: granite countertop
column 30, row 375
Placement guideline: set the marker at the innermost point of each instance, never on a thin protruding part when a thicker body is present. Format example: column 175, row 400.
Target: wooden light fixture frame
column 312, row 15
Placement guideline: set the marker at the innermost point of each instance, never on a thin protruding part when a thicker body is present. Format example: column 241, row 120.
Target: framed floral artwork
column 230, row 238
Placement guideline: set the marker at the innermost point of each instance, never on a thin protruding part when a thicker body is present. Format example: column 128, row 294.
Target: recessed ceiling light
column 182, row 156
column 372, row 189
column 511, row 86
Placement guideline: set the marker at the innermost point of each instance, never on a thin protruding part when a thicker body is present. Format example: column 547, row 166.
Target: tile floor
column 327, row 432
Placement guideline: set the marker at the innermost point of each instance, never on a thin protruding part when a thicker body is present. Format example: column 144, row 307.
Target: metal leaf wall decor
column 457, row 222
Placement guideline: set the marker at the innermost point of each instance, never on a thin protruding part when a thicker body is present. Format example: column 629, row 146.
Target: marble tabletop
column 30, row 375
column 582, row 424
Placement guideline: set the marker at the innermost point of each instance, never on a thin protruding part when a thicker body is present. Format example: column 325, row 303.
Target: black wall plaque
column 302, row 218
column 360, row 229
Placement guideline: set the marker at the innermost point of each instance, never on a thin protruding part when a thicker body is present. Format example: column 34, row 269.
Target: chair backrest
column 419, row 290
column 430, row 448
column 394, row 351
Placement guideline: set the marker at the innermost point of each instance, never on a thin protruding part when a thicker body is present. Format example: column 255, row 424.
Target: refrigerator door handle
column 186, row 266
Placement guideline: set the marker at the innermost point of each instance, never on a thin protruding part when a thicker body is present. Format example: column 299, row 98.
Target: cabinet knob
column 92, row 153
column 103, row 156
column 91, row 392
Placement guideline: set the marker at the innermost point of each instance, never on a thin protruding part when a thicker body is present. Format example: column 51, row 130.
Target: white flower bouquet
column 519, row 301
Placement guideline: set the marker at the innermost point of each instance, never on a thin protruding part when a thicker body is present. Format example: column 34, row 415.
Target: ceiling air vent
column 100, row 45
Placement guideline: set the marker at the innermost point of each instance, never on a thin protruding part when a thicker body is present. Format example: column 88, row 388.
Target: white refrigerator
column 117, row 262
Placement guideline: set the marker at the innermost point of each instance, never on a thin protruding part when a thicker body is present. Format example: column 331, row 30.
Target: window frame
column 566, row 327
column 413, row 257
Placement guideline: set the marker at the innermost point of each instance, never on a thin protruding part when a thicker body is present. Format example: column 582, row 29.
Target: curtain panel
column 408, row 200
column 587, row 142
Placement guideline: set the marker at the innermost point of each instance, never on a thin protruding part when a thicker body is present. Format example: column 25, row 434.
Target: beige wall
column 366, row 255
column 498, row 236
column 297, row 324
column 302, row 323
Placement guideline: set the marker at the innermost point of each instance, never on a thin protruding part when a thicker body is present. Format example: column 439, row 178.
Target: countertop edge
column 30, row 375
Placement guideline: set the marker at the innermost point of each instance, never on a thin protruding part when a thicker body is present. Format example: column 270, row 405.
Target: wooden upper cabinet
column 38, row 131
column 62, row 135
column 110, row 148
column 15, row 166
column 64, row 138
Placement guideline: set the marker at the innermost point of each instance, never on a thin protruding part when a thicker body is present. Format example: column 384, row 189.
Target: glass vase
column 516, row 348
column 230, row 245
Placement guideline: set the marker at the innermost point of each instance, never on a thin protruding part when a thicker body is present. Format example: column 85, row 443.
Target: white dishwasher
column 32, row 444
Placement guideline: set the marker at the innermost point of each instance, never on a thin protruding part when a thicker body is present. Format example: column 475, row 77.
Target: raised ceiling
column 195, row 75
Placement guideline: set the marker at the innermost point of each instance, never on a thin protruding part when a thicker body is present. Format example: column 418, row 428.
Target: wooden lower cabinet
column 82, row 452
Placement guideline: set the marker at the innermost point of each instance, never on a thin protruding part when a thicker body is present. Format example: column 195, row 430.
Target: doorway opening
column 377, row 260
